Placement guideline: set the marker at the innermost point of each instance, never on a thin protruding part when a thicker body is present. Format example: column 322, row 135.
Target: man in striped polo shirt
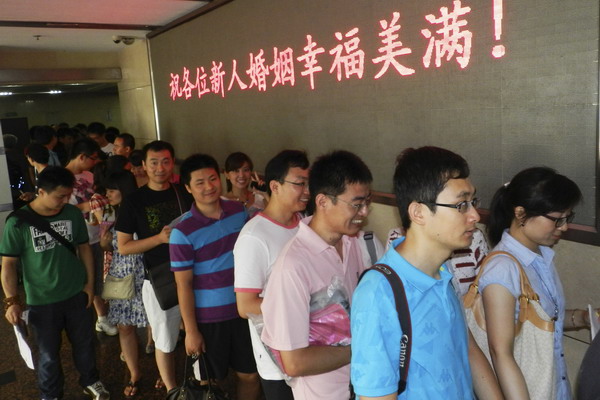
column 201, row 248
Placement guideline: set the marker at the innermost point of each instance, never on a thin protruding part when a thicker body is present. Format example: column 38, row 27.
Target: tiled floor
column 17, row 382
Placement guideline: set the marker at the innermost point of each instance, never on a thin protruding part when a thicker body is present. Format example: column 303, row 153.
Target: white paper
column 23, row 347
column 594, row 323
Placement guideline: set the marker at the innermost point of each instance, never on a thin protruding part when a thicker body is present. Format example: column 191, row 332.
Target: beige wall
column 135, row 93
column 69, row 108
column 577, row 266
column 15, row 59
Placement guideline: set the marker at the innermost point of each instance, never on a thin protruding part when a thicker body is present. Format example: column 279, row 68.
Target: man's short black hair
column 53, row 177
column 136, row 157
column 158, row 145
column 37, row 153
column 194, row 163
column 128, row 140
column 84, row 146
column 97, row 128
column 43, row 134
column 331, row 173
column 421, row 175
column 278, row 167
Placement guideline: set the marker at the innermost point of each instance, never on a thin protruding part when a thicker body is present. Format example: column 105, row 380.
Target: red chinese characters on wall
column 447, row 40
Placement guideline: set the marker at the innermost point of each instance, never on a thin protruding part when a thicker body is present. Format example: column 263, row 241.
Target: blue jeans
column 47, row 323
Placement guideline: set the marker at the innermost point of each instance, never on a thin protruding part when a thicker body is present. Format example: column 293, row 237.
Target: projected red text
column 445, row 32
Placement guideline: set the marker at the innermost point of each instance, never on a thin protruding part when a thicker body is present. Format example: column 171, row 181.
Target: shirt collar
column 415, row 276
column 312, row 240
column 523, row 254
column 197, row 215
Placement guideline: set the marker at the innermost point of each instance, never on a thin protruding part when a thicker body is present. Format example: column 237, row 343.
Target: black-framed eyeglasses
column 356, row 206
column 302, row 185
column 560, row 221
column 461, row 207
column 93, row 158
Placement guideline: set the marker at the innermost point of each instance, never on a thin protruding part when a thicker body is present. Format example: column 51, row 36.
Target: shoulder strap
column 526, row 289
column 176, row 189
column 43, row 225
column 403, row 316
column 368, row 236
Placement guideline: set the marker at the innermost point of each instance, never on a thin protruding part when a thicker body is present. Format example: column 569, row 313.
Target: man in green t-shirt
column 59, row 286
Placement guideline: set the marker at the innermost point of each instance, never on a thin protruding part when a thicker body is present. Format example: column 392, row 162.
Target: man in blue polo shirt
column 201, row 249
column 436, row 202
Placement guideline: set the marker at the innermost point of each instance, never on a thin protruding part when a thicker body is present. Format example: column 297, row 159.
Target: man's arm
column 248, row 303
column 127, row 245
column 194, row 341
column 85, row 254
column 8, row 274
column 484, row 379
column 392, row 396
column 314, row 360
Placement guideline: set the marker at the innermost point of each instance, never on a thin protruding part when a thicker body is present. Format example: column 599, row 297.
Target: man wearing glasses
column 258, row 246
column 437, row 207
column 324, row 250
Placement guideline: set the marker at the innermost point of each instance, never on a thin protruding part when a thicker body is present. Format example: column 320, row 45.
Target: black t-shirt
column 147, row 211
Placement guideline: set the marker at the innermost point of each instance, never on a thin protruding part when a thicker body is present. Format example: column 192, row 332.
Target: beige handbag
column 534, row 333
column 118, row 288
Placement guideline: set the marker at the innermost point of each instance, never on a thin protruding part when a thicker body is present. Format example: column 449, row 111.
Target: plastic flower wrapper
column 330, row 316
column 329, row 323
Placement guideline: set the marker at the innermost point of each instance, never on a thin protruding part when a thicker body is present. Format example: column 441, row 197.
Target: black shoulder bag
column 161, row 276
column 403, row 316
column 43, row 225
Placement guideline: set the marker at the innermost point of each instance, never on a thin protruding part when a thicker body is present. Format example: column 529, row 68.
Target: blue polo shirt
column 439, row 365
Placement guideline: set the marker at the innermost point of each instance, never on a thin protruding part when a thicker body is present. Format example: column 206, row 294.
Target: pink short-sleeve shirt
column 306, row 265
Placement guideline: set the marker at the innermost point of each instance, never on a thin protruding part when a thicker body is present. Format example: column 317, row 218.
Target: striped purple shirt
column 206, row 246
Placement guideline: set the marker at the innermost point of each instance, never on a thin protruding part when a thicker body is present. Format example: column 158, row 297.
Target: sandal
column 159, row 384
column 133, row 389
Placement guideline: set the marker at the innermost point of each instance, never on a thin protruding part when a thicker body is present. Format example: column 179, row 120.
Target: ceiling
column 84, row 25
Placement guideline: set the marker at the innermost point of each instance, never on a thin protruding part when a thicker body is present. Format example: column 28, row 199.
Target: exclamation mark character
column 498, row 50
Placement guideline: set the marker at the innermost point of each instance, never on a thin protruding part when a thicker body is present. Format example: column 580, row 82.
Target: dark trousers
column 47, row 323
column 276, row 390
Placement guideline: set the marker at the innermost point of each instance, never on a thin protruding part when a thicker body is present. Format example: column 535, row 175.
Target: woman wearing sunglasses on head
column 527, row 217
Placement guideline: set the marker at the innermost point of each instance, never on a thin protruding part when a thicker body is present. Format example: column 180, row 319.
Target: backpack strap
column 43, row 225
column 403, row 316
column 368, row 236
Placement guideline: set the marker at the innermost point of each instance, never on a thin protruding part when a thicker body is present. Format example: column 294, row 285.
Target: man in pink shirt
column 325, row 249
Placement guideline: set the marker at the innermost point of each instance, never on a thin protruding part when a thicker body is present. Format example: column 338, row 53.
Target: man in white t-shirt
column 96, row 132
column 259, row 244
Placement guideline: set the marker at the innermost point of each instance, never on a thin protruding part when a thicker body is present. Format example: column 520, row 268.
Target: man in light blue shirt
column 436, row 202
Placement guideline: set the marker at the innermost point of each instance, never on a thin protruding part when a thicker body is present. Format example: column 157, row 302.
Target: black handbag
column 190, row 389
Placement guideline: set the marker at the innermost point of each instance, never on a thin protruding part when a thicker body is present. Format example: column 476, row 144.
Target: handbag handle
column 527, row 294
column 189, row 362
column 526, row 289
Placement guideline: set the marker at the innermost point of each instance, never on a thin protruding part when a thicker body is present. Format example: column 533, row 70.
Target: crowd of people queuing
column 264, row 273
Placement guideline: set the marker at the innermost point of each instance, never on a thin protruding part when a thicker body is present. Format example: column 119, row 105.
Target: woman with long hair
column 238, row 173
column 127, row 314
column 528, row 216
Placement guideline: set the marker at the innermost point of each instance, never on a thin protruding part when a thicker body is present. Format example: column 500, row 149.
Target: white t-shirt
column 254, row 253
column 108, row 149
